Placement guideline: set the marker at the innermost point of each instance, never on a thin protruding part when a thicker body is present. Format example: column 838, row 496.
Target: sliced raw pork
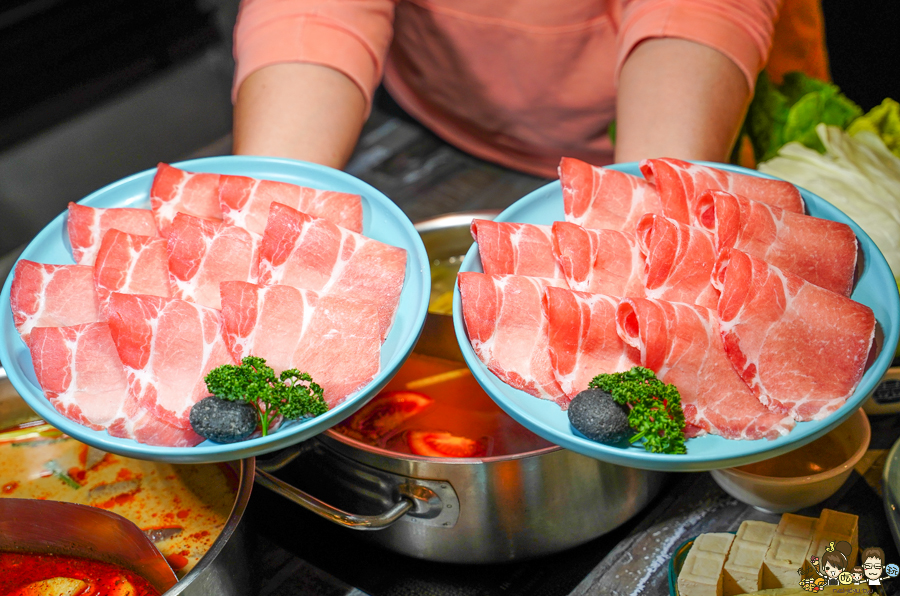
column 800, row 348
column 820, row 251
column 333, row 338
column 311, row 253
column 509, row 248
column 245, row 202
column 142, row 425
column 682, row 345
column 130, row 264
column 79, row 369
column 678, row 182
column 507, row 328
column 80, row 372
column 603, row 198
column 679, row 261
column 87, row 226
column 167, row 347
column 203, row 253
column 177, row 191
column 599, row 261
column 581, row 328
column 52, row 296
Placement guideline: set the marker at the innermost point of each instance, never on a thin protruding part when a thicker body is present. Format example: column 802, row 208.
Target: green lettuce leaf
column 780, row 114
column 882, row 120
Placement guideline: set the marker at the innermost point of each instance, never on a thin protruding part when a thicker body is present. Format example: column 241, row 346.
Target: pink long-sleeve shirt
column 517, row 82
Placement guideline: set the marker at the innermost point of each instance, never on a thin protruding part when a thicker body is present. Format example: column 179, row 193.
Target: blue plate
column 876, row 288
column 382, row 220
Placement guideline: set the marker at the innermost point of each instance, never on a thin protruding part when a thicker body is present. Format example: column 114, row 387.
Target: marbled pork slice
column 79, row 369
column 682, row 345
column 678, row 182
column 581, row 329
column 167, row 347
column 44, row 295
column 311, row 253
column 87, row 226
column 821, row 251
column 80, row 372
column 508, row 330
column 130, row 264
column 603, row 198
column 176, row 191
column 203, row 253
column 599, row 261
column 245, row 202
column 800, row 348
column 333, row 338
column 679, row 261
column 508, row 248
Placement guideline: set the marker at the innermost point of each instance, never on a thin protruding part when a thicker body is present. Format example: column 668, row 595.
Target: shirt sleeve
column 350, row 36
column 740, row 29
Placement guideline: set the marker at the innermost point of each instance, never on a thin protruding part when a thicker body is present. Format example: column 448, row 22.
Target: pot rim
column 453, row 461
column 454, row 219
column 246, row 474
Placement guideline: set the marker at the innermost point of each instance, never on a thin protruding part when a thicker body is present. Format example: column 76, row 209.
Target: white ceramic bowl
column 779, row 494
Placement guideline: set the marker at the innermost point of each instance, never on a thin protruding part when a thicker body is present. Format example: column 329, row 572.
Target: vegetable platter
column 382, row 220
column 875, row 288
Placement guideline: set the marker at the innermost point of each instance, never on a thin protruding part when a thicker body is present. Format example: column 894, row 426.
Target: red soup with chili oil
column 30, row 574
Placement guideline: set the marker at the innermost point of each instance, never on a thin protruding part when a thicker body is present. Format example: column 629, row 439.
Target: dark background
column 863, row 40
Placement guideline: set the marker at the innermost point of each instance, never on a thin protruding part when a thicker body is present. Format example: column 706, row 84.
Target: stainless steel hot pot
column 467, row 510
column 459, row 510
column 225, row 569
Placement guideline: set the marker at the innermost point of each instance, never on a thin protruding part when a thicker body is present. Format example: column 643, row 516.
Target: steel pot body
column 225, row 569
column 467, row 510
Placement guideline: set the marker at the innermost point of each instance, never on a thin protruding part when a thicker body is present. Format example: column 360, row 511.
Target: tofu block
column 787, row 551
column 744, row 566
column 835, row 526
column 701, row 574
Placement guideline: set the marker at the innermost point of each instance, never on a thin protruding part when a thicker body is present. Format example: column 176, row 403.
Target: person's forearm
column 677, row 98
column 301, row 111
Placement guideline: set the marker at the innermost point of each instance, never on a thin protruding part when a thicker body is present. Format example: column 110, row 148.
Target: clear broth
column 825, row 453
column 443, row 279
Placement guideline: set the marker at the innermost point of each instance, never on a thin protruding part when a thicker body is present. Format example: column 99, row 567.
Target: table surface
column 297, row 553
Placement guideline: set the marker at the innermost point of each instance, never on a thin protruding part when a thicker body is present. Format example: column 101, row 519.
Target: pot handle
column 338, row 516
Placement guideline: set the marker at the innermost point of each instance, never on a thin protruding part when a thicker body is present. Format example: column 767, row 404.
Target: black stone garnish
column 594, row 414
column 223, row 421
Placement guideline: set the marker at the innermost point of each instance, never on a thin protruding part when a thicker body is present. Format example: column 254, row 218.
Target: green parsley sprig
column 655, row 408
column 293, row 394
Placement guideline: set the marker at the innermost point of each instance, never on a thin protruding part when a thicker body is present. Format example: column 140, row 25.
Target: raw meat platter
column 382, row 221
column 875, row 289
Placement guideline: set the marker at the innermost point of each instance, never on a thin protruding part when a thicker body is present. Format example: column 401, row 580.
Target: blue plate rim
column 289, row 434
column 802, row 434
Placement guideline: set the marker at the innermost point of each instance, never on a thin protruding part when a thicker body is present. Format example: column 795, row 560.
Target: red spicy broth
column 18, row 570
column 454, row 403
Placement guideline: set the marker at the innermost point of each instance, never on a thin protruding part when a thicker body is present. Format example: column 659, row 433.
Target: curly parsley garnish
column 655, row 408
